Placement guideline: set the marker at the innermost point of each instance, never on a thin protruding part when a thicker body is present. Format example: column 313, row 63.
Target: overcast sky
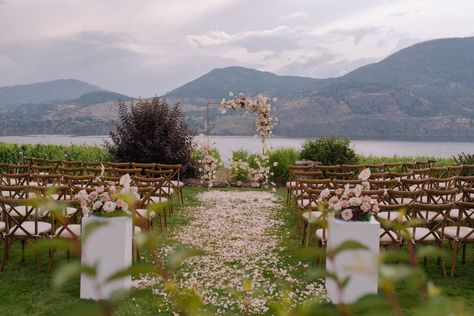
column 148, row 47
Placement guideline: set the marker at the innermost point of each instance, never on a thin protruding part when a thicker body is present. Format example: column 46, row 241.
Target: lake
column 227, row 144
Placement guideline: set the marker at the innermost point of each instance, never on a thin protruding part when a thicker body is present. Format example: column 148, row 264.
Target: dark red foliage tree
column 152, row 131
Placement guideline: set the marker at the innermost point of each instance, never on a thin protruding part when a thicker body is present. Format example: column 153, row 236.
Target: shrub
column 240, row 170
column 285, row 157
column 440, row 162
column 10, row 153
column 329, row 151
column 464, row 159
column 152, row 131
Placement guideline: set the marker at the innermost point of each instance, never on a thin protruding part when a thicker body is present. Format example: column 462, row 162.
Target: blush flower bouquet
column 349, row 204
column 107, row 203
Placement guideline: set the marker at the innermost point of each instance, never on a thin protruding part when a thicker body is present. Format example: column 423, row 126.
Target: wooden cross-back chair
column 414, row 184
column 78, row 183
column 167, row 189
column 15, row 179
column 379, row 175
column 37, row 161
column 401, row 175
column 421, row 173
column 431, row 230
column 291, row 183
column 439, row 172
column 176, row 183
column 347, row 175
column 118, row 172
column 92, row 164
column 151, row 192
column 53, row 163
column 356, row 169
column 14, row 191
column 376, row 168
column 454, row 171
column 4, row 167
column 442, row 183
column 299, row 172
column 25, row 226
column 309, row 213
column 408, row 166
column 19, row 168
column 467, row 170
column 393, row 167
column 143, row 165
column 304, row 187
column 92, row 171
column 42, row 169
column 461, row 234
column 464, row 182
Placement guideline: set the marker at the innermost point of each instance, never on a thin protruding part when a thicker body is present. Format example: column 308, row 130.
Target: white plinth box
column 361, row 266
column 109, row 249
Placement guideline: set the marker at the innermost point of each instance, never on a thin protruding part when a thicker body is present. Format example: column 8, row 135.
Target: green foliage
column 284, row 157
column 10, row 153
column 440, row 162
column 329, row 151
column 240, row 170
column 152, row 131
column 244, row 155
column 464, row 159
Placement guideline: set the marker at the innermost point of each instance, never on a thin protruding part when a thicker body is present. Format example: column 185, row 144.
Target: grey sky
column 147, row 47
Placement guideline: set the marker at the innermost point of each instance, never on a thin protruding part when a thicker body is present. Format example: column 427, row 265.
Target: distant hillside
column 426, row 90
column 217, row 84
column 57, row 90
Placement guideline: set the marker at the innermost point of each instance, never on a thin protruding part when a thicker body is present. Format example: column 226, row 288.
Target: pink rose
column 104, row 197
column 339, row 191
column 344, row 204
column 100, row 189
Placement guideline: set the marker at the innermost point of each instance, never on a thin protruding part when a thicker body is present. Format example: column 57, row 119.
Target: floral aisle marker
column 208, row 164
column 243, row 267
column 261, row 107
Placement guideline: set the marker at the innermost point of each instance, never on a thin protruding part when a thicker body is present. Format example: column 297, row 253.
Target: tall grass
column 285, row 157
column 440, row 162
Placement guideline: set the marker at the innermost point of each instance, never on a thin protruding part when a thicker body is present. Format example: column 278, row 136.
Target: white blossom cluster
column 208, row 165
column 261, row 107
column 262, row 173
column 243, row 269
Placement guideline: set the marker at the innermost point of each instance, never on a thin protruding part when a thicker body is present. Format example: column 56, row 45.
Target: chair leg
column 443, row 267
column 51, row 260
column 304, row 234
column 464, row 254
column 23, row 250
column 454, row 258
column 5, row 254
column 308, row 235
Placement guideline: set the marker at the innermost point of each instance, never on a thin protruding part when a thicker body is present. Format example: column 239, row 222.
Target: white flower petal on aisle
column 237, row 231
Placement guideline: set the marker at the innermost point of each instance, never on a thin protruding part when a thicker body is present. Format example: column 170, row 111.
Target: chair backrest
column 18, row 168
column 464, row 182
column 140, row 165
column 14, row 192
column 16, row 212
column 383, row 184
column 454, row 171
column 38, row 161
column 424, row 164
column 379, row 175
column 157, row 187
column 467, row 195
column 356, row 169
column 115, row 165
column 15, row 179
column 403, row 197
column 436, row 196
column 77, row 183
column 42, row 169
column 47, row 180
column 401, row 175
column 340, row 184
column 467, row 170
column 433, row 217
column 176, row 175
column 308, row 175
column 408, row 166
column 376, row 168
column 439, row 172
column 349, row 175
column 377, row 195
column 92, row 171
column 442, row 183
column 393, row 166
column 92, row 164
column 71, row 171
column 53, row 163
column 4, row 167
column 421, row 173
column 414, row 184
column 123, row 171
column 72, row 164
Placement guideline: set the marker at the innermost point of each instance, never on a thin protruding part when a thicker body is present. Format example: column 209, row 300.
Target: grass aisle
column 249, row 260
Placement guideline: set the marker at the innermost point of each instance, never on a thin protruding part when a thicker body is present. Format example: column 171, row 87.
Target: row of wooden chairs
column 25, row 215
column 445, row 214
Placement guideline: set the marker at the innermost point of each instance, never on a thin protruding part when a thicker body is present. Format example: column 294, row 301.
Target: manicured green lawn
column 25, row 292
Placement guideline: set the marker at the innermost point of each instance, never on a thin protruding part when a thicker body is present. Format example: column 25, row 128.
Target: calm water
column 227, row 144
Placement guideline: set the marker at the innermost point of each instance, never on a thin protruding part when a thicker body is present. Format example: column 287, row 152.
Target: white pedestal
column 109, row 249
column 361, row 266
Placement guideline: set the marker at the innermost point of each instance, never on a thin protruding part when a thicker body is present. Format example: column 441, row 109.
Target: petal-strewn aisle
column 241, row 235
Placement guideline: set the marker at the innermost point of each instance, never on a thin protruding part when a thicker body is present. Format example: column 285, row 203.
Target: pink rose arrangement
column 349, row 204
column 107, row 203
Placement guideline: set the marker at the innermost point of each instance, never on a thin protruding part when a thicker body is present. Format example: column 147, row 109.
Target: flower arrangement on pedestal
column 349, row 204
column 208, row 164
column 108, row 203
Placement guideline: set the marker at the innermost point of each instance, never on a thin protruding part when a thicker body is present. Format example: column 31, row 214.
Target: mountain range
column 425, row 90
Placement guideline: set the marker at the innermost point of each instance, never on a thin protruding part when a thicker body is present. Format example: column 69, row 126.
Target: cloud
column 295, row 16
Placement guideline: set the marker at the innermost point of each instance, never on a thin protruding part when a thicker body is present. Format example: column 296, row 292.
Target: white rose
column 109, row 206
column 346, row 214
column 97, row 205
column 355, row 201
column 337, row 207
